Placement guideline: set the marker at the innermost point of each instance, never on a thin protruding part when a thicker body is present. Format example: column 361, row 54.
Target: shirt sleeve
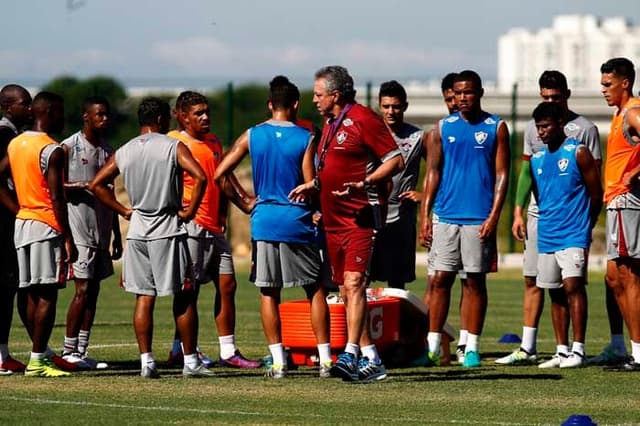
column 378, row 139
column 591, row 139
column 529, row 135
column 45, row 155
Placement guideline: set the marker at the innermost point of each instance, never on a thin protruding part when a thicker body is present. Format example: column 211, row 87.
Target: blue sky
column 160, row 40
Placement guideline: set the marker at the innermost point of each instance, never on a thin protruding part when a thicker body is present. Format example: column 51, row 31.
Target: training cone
column 579, row 420
column 509, row 338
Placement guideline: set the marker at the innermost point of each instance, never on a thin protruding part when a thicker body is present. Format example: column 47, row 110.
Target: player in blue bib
column 569, row 194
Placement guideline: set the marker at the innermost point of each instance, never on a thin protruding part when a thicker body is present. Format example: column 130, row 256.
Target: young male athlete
column 209, row 249
column 282, row 229
column 622, row 197
column 15, row 105
column 470, row 142
column 566, row 183
column 42, row 234
column 394, row 254
column 91, row 226
column 553, row 88
column 156, row 261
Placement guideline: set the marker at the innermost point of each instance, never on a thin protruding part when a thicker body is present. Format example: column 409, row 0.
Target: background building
column 575, row 44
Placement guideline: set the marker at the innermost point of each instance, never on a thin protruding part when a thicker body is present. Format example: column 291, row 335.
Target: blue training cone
column 509, row 338
column 579, row 420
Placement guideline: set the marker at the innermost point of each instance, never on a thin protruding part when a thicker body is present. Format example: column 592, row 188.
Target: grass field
column 433, row 396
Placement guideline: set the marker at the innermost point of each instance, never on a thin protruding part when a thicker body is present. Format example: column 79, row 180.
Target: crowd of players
column 337, row 205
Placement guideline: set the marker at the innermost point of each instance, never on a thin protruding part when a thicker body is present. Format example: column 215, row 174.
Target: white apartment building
column 576, row 45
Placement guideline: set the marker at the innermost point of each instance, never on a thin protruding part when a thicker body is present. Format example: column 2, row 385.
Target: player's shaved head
column 43, row 102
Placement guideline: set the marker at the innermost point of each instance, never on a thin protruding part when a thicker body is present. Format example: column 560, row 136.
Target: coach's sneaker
column 518, row 357
column 43, row 368
column 197, row 372
column 460, row 353
column 554, row 362
column 92, row 363
column 610, row 355
column 471, row 359
column 370, row 371
column 150, row 371
column 276, row 371
column 10, row 364
column 574, row 360
column 346, row 367
column 325, row 369
column 239, row 361
column 76, row 359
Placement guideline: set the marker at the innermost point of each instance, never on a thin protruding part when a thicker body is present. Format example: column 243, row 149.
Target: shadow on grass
column 432, row 375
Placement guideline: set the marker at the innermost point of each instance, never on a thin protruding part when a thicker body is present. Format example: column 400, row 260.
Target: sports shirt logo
column 563, row 164
column 481, row 137
column 341, row 137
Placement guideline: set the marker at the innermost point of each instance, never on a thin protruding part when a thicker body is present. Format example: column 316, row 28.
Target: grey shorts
column 284, row 265
column 530, row 255
column 623, row 233
column 394, row 252
column 457, row 247
column 555, row 267
column 210, row 257
column 41, row 262
column 158, row 267
column 92, row 264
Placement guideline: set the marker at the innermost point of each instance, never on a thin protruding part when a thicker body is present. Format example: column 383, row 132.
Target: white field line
column 174, row 409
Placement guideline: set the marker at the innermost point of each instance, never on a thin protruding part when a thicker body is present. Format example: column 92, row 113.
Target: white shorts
column 458, row 247
column 92, row 264
column 622, row 231
column 157, row 268
column 555, row 267
column 41, row 262
column 284, row 264
column 210, row 257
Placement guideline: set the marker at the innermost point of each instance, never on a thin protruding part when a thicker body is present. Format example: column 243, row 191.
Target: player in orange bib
column 209, row 249
column 622, row 197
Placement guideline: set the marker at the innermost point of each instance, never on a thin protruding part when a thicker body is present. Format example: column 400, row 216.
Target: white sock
column 83, row 341
column 529, row 337
column 472, row 343
column 35, row 356
column 277, row 353
column 227, row 346
column 578, row 348
column 617, row 341
column 434, row 340
column 562, row 349
column 635, row 351
column 176, row 348
column 191, row 360
column 4, row 352
column 324, row 351
column 371, row 352
column 462, row 337
column 146, row 359
column 353, row 349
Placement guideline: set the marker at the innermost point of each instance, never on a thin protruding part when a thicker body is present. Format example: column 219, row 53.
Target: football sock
column 70, row 345
column 37, row 356
column 529, row 337
column 83, row 341
column 635, row 351
column 227, row 346
column 462, row 337
column 578, row 348
column 353, row 349
column 562, row 349
column 146, row 359
column 191, row 360
column 472, row 343
column 434, row 340
column 371, row 352
column 324, row 351
column 277, row 354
